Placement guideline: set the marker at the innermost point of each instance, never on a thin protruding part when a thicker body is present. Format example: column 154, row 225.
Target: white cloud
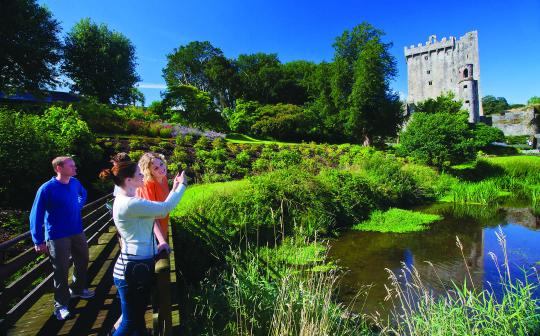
column 152, row 86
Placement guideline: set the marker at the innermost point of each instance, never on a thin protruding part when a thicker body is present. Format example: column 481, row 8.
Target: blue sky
column 509, row 32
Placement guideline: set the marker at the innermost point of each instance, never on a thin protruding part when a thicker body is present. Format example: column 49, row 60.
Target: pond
column 365, row 255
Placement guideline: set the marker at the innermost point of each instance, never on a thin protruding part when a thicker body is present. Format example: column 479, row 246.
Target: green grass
column 245, row 139
column 196, row 194
column 483, row 192
column 294, row 254
column 516, row 165
column 397, row 221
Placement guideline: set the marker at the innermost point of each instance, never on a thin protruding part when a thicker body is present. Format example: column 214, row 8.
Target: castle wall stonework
column 446, row 65
column 515, row 122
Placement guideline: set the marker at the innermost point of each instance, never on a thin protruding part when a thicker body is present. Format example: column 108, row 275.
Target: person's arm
column 144, row 208
column 162, row 240
column 139, row 207
column 37, row 218
column 83, row 195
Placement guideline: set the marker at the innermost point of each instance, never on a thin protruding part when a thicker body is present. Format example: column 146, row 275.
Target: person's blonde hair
column 145, row 164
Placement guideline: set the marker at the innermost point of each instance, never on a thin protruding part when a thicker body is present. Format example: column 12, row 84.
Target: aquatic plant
column 483, row 192
column 397, row 221
column 266, row 294
column 463, row 309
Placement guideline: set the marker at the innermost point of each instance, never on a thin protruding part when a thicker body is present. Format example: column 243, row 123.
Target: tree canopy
column 444, row 103
column 533, row 100
column 30, row 48
column 203, row 66
column 493, row 105
column 348, row 99
column 100, row 62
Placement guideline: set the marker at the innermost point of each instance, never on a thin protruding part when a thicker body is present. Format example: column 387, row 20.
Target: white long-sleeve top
column 134, row 219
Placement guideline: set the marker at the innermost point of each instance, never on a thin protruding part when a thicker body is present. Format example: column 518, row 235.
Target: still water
column 365, row 255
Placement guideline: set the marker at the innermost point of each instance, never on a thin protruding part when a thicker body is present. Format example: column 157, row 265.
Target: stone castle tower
column 446, row 65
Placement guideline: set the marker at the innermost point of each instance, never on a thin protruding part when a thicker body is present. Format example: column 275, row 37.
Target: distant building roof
column 48, row 97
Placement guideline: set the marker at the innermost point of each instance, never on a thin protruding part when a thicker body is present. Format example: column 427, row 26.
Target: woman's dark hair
column 120, row 157
column 119, row 172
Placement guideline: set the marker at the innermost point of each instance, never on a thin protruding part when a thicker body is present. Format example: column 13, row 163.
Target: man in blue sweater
column 56, row 229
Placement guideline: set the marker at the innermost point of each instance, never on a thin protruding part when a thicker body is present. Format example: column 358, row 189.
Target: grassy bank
column 491, row 179
column 246, row 247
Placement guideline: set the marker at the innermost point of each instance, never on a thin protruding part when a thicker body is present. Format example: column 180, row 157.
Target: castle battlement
column 448, row 64
column 430, row 45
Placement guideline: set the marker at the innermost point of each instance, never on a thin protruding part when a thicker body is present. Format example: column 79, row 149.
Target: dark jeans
column 59, row 252
column 133, row 302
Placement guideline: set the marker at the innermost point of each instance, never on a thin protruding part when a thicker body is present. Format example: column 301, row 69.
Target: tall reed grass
column 484, row 192
column 463, row 310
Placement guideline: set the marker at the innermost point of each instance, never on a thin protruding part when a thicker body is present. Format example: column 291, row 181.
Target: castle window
column 428, row 72
column 425, row 57
column 465, row 73
column 430, row 82
column 467, row 102
column 464, row 86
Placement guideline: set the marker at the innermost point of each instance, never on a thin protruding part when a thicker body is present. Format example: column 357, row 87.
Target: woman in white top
column 134, row 219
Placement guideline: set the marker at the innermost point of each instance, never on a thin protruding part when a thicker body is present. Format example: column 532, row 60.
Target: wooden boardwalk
column 97, row 315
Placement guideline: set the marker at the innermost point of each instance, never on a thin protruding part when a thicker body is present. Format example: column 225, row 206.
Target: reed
column 463, row 310
column 484, row 192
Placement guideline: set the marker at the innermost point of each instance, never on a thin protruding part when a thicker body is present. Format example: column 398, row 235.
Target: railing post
column 162, row 299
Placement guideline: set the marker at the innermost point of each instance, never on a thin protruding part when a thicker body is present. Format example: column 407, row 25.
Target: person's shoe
column 61, row 313
column 85, row 294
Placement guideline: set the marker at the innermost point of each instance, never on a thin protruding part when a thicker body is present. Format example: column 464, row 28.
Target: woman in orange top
column 156, row 187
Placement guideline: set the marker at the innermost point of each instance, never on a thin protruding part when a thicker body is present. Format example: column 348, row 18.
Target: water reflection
column 366, row 254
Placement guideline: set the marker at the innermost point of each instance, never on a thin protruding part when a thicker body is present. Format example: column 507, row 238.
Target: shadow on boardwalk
column 89, row 317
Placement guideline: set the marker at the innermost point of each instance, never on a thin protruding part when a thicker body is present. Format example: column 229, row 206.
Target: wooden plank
column 17, row 263
column 20, row 308
column 38, row 320
column 16, row 288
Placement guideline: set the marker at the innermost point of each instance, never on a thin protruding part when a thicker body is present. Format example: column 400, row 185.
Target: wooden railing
column 20, row 288
column 20, row 272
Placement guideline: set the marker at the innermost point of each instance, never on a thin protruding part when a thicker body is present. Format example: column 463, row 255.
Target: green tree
column 243, row 116
column 100, row 62
column 484, row 135
column 533, row 100
column 260, row 75
column 281, row 121
column 203, row 66
column 193, row 106
column 136, row 96
column 438, row 139
column 373, row 109
column 347, row 48
column 492, row 105
column 296, row 83
column 326, row 114
column 444, row 103
column 30, row 48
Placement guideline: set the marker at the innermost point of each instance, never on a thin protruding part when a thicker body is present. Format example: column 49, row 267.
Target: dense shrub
column 26, row 152
column 438, row 139
column 102, row 118
column 485, row 135
column 165, row 132
column 32, row 142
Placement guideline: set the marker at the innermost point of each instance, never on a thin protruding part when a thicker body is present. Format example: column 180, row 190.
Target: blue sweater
column 57, row 206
